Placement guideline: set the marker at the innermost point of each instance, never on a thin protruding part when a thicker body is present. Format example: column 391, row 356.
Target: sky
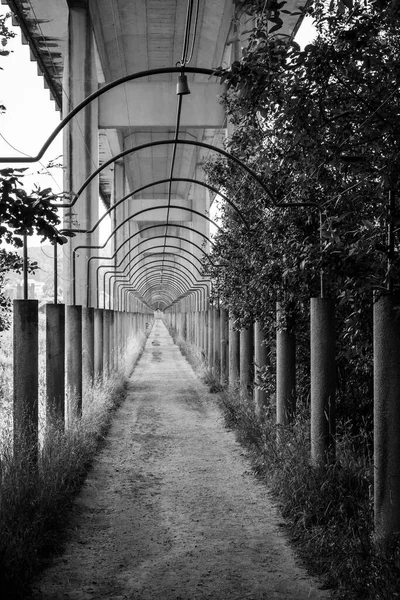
column 31, row 115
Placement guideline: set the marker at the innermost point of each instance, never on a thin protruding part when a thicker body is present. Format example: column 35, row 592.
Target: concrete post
column 210, row 341
column 88, row 344
column 25, row 405
column 98, row 342
column 55, row 365
column 285, row 373
column 224, row 346
column 73, row 355
column 234, row 354
column 260, row 360
column 112, row 357
column 387, row 417
column 323, row 381
column 106, row 342
column 246, row 360
column 216, row 343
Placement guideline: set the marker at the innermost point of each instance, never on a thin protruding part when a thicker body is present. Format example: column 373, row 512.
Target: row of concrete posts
column 235, row 358
column 82, row 345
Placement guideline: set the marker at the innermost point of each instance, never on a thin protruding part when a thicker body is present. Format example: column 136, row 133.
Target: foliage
column 328, row 512
column 9, row 261
column 5, row 35
column 34, row 506
column 320, row 126
column 23, row 213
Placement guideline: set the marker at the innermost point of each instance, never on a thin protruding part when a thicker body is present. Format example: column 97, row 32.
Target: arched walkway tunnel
column 141, row 115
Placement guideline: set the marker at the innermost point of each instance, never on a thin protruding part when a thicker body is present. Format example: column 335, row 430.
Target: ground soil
column 171, row 509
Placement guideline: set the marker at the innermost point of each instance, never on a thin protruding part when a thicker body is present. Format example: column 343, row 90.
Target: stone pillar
column 224, row 348
column 55, row 365
column 81, row 147
column 73, row 362
column 260, row 360
column 25, row 372
column 323, row 381
column 234, row 355
column 246, row 360
column 387, row 417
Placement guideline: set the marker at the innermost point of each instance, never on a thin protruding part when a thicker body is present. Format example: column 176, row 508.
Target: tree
column 21, row 213
column 320, row 126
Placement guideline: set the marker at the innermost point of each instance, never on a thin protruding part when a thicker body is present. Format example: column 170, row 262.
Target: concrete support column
column 216, row 343
column 323, row 381
column 88, row 345
column 25, row 372
column 260, row 360
column 246, row 360
column 234, row 355
column 73, row 356
column 387, row 417
column 81, row 146
column 55, row 365
column 98, row 342
column 224, row 346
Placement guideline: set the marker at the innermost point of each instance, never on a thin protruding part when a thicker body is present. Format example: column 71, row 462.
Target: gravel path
column 171, row 509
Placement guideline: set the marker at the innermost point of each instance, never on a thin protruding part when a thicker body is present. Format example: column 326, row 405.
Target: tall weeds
column 35, row 498
column 328, row 512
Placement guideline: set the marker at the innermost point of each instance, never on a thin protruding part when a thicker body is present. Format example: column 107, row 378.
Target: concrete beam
column 153, row 104
column 160, row 213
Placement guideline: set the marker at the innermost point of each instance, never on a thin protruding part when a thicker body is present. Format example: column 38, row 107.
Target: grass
column 35, row 499
column 328, row 512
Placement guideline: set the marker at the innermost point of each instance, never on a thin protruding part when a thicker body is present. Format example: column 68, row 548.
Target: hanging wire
column 48, row 172
column 185, row 58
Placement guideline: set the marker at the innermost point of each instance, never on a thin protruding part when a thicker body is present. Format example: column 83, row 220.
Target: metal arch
column 148, row 228
column 178, row 278
column 157, row 261
column 145, row 187
column 189, row 277
column 152, row 272
column 116, row 83
column 147, row 249
column 143, row 265
column 74, row 251
column 199, row 287
column 114, row 273
column 177, row 141
column 97, row 94
column 173, row 288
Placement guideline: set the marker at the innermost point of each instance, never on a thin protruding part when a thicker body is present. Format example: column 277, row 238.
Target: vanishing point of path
column 171, row 510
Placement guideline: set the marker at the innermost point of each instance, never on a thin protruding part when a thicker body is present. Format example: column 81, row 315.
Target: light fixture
column 182, row 87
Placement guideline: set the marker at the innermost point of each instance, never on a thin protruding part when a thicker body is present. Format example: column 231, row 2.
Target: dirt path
column 171, row 510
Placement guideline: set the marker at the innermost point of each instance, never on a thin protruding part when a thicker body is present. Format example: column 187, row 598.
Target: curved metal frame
column 148, row 228
column 114, row 274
